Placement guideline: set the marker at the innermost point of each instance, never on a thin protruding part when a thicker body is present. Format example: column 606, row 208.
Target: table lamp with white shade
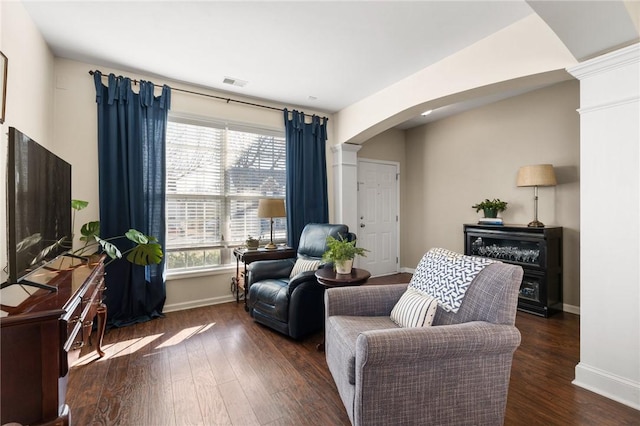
column 536, row 175
column 270, row 208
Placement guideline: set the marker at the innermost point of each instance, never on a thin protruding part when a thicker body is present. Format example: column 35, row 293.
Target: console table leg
column 101, row 313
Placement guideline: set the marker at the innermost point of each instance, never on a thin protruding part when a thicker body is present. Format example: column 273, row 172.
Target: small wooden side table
column 247, row 256
column 328, row 278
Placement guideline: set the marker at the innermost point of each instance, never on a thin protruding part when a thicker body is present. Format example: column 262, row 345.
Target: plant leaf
column 90, row 230
column 28, row 242
column 45, row 251
column 146, row 254
column 137, row 236
column 111, row 250
column 79, row 204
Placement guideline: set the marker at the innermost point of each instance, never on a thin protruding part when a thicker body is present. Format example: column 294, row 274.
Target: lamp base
column 535, row 224
column 271, row 246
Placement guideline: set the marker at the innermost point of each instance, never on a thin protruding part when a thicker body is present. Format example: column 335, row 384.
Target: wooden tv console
column 42, row 333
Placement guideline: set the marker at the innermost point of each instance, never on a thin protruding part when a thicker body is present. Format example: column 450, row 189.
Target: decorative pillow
column 446, row 275
column 303, row 265
column 414, row 309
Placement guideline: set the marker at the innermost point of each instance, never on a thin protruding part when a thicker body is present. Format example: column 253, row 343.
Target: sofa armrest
column 264, row 269
column 368, row 300
column 407, row 346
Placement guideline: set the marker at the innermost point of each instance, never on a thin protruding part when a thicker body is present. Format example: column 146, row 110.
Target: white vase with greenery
column 341, row 252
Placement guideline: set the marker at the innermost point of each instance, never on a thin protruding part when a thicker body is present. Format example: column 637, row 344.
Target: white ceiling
column 320, row 55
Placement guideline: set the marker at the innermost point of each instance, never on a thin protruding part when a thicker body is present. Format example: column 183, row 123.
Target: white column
column 345, row 182
column 610, row 225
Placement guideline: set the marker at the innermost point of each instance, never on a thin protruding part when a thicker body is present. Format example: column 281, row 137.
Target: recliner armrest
column 264, row 269
column 370, row 300
column 302, row 277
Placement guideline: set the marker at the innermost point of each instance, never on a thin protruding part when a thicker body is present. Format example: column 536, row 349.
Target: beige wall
column 387, row 146
column 456, row 162
column 75, row 135
column 29, row 102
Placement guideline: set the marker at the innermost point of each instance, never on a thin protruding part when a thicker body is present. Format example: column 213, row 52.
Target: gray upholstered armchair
column 454, row 372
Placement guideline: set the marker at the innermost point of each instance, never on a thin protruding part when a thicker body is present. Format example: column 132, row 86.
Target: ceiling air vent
column 234, row 81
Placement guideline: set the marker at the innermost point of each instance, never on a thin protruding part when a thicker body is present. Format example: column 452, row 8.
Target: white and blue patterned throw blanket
column 446, row 275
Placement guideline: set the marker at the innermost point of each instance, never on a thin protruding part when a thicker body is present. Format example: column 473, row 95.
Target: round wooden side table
column 329, row 278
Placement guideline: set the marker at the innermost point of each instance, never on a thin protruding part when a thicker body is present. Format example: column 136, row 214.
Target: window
column 216, row 174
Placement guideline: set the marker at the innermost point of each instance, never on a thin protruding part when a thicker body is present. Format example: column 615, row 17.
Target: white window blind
column 215, row 176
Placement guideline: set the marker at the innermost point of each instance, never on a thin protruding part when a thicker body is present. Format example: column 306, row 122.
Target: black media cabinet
column 537, row 250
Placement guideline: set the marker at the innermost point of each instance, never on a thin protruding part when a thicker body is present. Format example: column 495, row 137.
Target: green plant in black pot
column 491, row 208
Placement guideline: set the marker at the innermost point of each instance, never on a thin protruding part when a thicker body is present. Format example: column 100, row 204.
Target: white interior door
column 378, row 216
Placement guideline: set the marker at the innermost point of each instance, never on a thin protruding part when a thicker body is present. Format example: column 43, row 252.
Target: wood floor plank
column 259, row 395
column 161, row 403
column 185, row 402
column 275, row 371
column 210, row 400
column 237, row 404
column 140, row 395
column 212, row 405
column 311, row 365
column 113, row 405
column 217, row 359
column 215, row 365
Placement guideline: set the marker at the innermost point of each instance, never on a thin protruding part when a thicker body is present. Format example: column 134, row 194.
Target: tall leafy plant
column 146, row 249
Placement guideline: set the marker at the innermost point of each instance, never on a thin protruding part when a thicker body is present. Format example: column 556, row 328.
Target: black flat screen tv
column 38, row 206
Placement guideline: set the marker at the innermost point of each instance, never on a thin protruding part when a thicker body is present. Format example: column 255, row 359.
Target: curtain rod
column 227, row 100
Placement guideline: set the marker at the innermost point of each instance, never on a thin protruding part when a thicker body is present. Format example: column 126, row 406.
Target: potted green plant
column 341, row 253
column 252, row 243
column 491, row 208
column 146, row 251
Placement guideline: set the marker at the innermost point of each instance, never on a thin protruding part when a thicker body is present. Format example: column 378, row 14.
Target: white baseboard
column 571, row 309
column 199, row 303
column 617, row 388
column 408, row 270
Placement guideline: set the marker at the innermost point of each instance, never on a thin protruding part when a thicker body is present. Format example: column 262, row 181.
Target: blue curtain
column 307, row 197
column 131, row 159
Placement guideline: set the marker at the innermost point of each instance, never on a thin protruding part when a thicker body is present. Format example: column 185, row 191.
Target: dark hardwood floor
column 215, row 366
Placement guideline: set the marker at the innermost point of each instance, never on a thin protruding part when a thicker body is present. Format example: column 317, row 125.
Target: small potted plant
column 252, row 243
column 341, row 253
column 491, row 208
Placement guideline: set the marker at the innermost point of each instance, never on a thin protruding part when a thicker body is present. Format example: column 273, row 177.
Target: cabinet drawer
column 80, row 318
column 74, row 328
column 90, row 310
